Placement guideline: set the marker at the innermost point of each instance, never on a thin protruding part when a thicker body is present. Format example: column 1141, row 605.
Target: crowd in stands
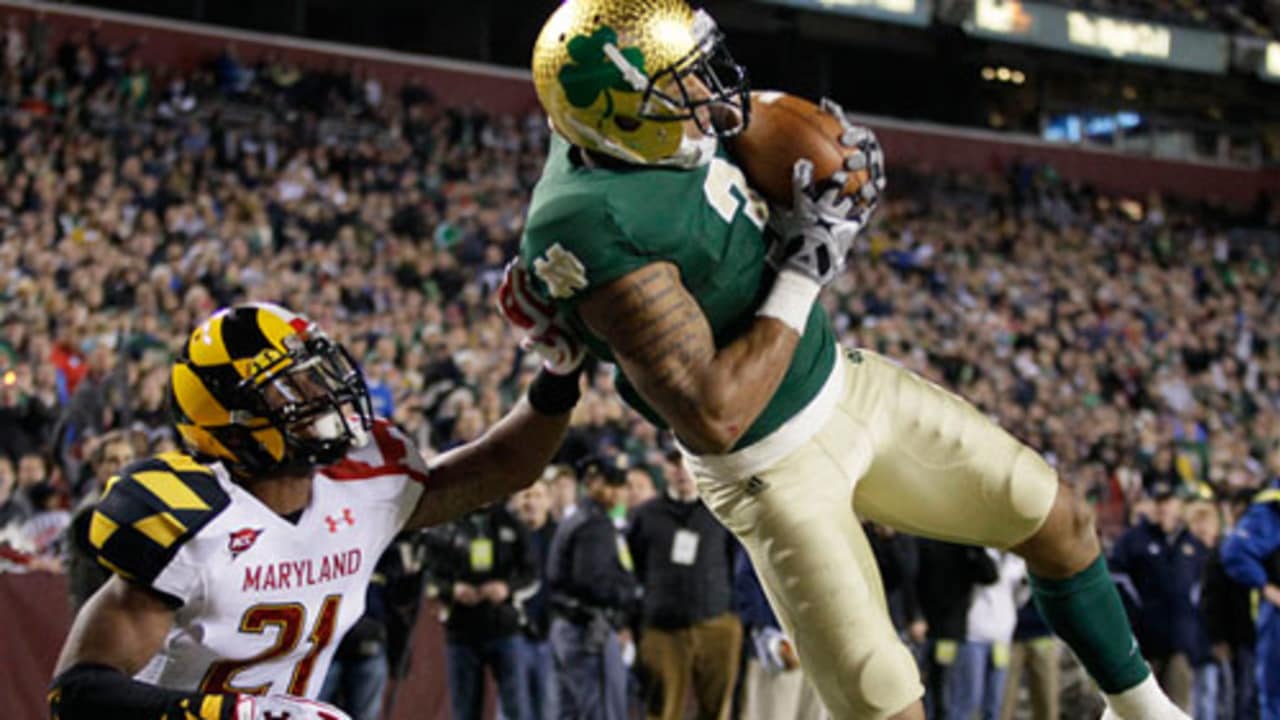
column 1135, row 341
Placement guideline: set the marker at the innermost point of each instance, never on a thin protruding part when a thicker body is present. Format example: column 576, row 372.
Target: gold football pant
column 898, row 450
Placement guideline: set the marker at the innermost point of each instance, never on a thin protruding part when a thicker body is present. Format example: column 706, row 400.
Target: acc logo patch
column 242, row 540
column 561, row 271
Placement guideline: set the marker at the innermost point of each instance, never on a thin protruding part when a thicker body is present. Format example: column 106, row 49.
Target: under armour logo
column 335, row 522
column 755, row 485
column 284, row 715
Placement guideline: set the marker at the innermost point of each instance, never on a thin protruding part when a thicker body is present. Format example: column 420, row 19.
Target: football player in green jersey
column 645, row 237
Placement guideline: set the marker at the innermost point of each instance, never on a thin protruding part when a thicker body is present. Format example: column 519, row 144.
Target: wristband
column 552, row 394
column 791, row 300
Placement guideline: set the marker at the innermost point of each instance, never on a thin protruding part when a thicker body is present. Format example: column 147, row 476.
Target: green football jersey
column 590, row 226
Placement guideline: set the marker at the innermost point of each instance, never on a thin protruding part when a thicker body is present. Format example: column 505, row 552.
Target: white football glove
column 870, row 155
column 285, row 707
column 543, row 331
column 814, row 236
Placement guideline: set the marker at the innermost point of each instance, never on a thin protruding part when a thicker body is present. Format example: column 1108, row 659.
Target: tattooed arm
column 663, row 343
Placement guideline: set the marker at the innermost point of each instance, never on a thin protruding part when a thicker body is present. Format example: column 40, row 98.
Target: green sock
column 1085, row 611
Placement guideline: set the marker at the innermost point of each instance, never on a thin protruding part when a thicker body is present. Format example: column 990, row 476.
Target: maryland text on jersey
column 260, row 599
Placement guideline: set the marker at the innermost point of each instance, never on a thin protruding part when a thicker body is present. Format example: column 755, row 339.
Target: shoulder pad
column 150, row 510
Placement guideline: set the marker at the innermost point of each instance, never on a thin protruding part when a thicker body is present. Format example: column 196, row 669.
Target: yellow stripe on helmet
column 101, row 528
column 274, row 328
column 204, row 442
column 272, row 441
column 206, row 346
column 194, row 399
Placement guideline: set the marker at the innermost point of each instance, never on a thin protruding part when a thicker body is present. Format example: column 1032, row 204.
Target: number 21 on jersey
column 290, row 621
column 723, row 178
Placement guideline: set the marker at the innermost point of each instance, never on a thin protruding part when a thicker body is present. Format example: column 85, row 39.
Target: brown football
column 783, row 129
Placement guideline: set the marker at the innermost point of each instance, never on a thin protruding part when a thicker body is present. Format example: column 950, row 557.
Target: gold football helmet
column 621, row 77
column 263, row 390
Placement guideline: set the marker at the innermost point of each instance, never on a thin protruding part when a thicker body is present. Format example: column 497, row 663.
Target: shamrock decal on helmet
column 593, row 72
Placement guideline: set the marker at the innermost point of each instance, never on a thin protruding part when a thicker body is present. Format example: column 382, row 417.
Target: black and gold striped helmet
column 263, row 390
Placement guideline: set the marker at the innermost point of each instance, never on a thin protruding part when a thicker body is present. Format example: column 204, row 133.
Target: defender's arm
column 507, row 458
column 121, row 626
column 664, row 344
column 116, row 632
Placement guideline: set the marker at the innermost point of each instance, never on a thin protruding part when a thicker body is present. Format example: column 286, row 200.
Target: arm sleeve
column 98, row 692
column 1245, row 550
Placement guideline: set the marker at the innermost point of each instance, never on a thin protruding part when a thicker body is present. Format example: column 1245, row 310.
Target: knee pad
column 876, row 684
column 890, row 679
column 1033, row 486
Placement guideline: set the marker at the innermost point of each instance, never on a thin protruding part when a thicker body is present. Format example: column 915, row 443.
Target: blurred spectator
column 478, row 563
column 1251, row 557
column 44, row 530
column 773, row 687
column 1159, row 564
column 1227, row 609
column 14, row 506
column 109, row 454
column 533, row 507
column 640, row 488
column 1035, row 652
column 562, row 482
column 1205, row 525
column 949, row 576
column 593, row 596
column 24, row 417
column 403, row 566
column 982, row 663
column 690, row 640
column 32, row 471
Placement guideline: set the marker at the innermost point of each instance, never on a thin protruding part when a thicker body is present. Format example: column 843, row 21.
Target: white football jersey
column 264, row 601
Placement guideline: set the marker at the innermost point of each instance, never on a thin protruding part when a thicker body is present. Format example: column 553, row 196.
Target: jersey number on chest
column 290, row 619
column 723, row 179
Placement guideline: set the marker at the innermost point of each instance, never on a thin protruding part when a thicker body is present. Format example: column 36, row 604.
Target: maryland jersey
column 261, row 601
column 590, row 226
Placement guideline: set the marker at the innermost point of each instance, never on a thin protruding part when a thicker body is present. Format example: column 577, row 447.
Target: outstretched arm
column 513, row 453
column 507, row 458
column 663, row 343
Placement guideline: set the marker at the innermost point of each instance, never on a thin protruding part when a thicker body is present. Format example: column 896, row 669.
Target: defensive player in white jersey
column 238, row 566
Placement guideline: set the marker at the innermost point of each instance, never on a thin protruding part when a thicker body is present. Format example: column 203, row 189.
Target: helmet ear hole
column 626, row 123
